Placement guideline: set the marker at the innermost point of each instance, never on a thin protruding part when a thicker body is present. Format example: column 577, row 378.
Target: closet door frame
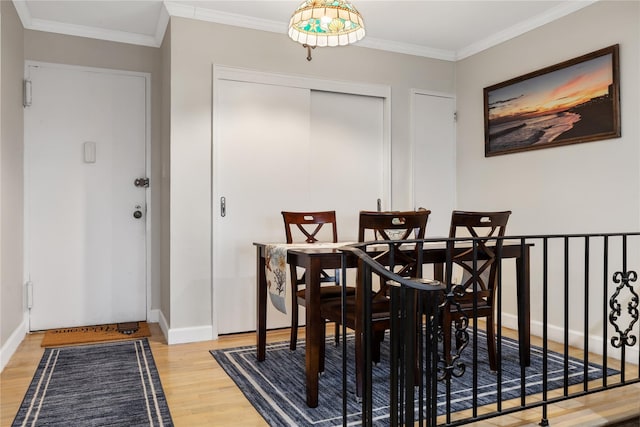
column 222, row 73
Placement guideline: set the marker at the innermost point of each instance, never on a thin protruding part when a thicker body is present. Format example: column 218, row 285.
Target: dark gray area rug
column 276, row 386
column 113, row 384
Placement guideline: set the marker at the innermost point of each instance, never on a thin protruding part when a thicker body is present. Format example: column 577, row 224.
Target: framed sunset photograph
column 572, row 102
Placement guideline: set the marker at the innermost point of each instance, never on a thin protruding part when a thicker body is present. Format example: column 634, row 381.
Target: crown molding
column 203, row 14
column 185, row 11
column 93, row 33
column 175, row 8
column 23, row 12
column 407, row 48
column 178, row 9
column 161, row 27
column 551, row 15
column 29, row 23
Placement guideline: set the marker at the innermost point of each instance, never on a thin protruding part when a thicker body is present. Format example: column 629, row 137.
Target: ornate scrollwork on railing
column 623, row 337
column 453, row 366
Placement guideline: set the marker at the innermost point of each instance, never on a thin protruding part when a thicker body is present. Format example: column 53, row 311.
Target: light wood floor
column 199, row 392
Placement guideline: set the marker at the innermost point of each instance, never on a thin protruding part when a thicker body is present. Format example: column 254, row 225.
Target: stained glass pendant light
column 326, row 23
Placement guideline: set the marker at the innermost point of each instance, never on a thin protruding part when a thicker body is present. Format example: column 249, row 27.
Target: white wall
column 165, row 176
column 578, row 188
column 564, row 190
column 590, row 187
column 581, row 188
column 195, row 47
column 12, row 326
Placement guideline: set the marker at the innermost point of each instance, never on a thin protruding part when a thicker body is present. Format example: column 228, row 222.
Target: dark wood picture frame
column 568, row 103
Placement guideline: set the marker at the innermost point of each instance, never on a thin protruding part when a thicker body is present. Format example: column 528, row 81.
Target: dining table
column 315, row 260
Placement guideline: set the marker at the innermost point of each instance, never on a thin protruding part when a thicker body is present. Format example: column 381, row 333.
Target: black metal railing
column 566, row 322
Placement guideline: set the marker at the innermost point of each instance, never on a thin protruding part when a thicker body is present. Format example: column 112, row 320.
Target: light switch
column 89, row 152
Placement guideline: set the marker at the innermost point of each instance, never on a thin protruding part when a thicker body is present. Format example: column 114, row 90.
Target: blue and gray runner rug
column 96, row 385
column 276, row 387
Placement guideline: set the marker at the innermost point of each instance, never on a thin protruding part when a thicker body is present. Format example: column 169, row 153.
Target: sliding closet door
column 261, row 165
column 346, row 161
column 283, row 148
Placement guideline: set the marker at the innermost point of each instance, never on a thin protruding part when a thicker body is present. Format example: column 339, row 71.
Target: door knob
column 137, row 214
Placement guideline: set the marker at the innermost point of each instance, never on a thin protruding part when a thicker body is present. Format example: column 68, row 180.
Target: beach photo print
column 572, row 102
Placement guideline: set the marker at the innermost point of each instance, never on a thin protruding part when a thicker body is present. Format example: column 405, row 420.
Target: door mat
column 98, row 333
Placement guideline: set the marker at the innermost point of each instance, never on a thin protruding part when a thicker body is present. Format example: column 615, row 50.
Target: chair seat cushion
column 380, row 312
column 329, row 292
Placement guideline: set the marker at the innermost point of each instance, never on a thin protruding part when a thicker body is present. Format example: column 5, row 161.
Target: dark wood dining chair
column 307, row 227
column 373, row 226
column 477, row 284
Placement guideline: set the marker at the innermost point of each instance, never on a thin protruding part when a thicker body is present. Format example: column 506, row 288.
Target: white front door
column 278, row 148
column 85, row 220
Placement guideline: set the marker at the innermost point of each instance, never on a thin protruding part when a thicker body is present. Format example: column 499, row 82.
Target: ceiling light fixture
column 325, row 23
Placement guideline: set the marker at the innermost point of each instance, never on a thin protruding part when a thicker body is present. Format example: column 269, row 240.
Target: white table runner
column 276, row 267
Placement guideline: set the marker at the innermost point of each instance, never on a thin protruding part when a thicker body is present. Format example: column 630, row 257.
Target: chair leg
column 294, row 320
column 323, row 340
column 359, row 373
column 378, row 337
column 491, row 344
column 417, row 378
column 336, row 336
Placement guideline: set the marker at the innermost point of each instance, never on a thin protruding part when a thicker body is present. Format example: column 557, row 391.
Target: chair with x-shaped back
column 309, row 227
column 477, row 283
column 397, row 227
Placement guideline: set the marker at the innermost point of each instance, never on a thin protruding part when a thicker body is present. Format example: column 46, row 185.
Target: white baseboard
column 164, row 326
column 192, row 334
column 184, row 335
column 12, row 344
column 153, row 316
column 575, row 339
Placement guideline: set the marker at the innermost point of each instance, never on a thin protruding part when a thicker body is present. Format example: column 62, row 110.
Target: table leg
column 314, row 335
column 524, row 311
column 261, row 293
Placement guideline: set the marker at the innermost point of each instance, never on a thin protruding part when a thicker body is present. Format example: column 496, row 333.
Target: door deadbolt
column 137, row 214
column 141, row 182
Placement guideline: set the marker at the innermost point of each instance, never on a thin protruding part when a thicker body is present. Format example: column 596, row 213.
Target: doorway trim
column 222, row 72
column 148, row 214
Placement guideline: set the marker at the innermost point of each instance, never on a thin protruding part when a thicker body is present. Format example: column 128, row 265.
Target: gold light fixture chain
column 308, row 51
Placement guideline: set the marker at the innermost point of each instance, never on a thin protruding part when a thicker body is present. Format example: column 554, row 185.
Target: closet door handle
column 223, row 206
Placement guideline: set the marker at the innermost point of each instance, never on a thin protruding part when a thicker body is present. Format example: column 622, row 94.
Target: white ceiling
column 446, row 29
